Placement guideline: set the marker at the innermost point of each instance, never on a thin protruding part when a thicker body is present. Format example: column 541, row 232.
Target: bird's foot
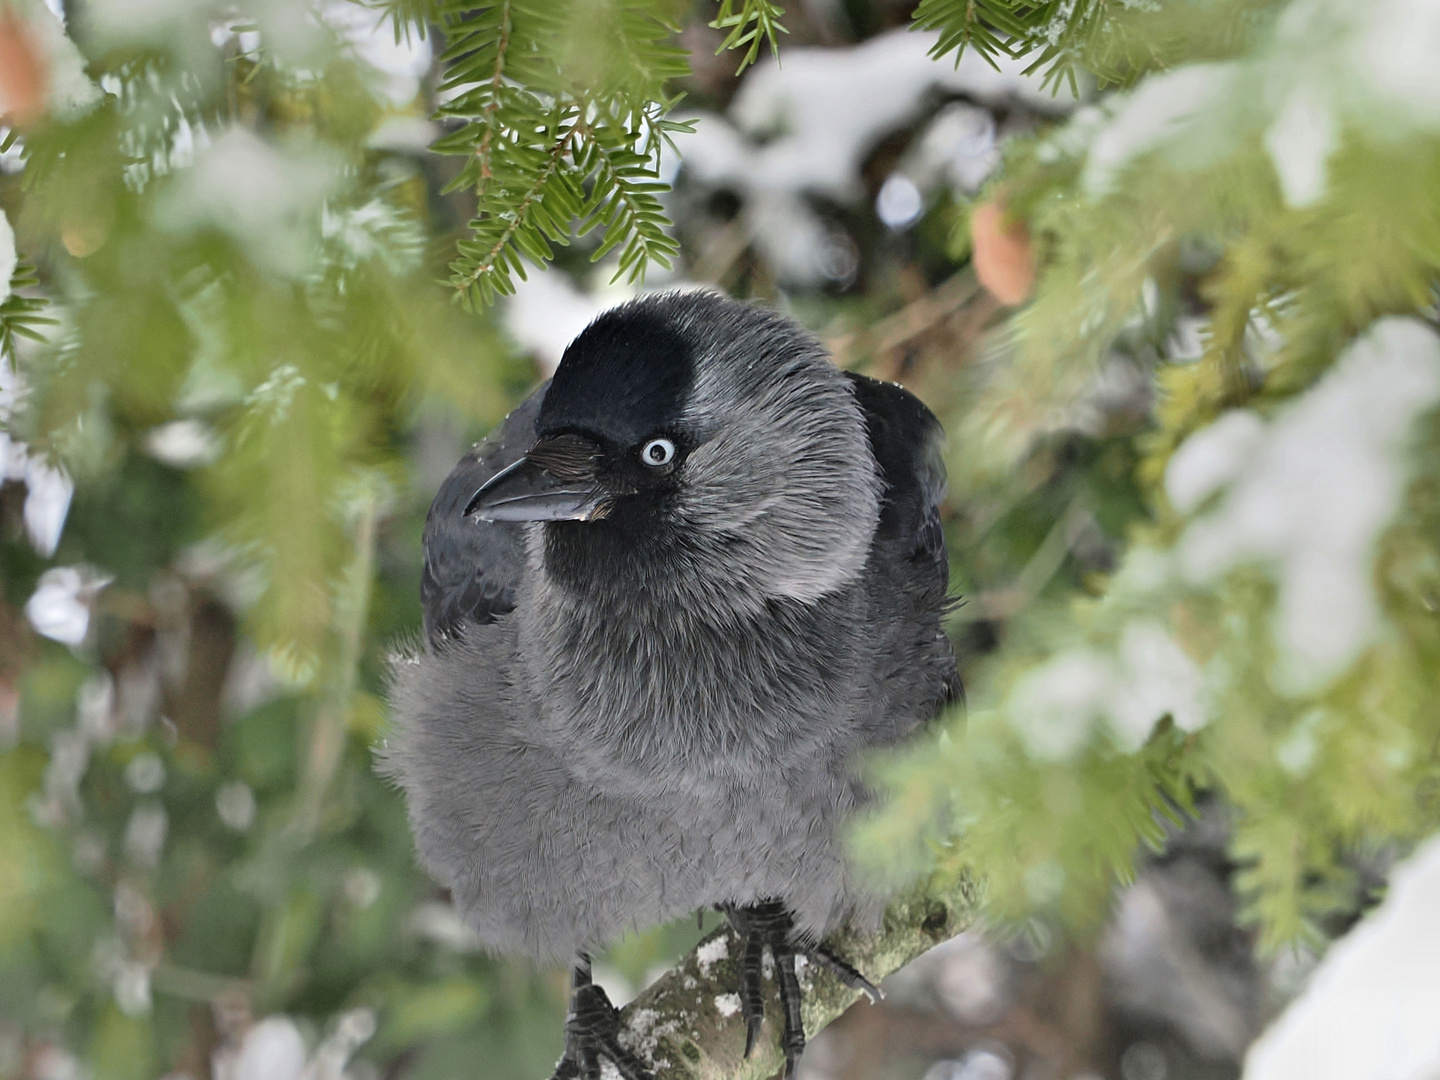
column 769, row 924
column 592, row 1034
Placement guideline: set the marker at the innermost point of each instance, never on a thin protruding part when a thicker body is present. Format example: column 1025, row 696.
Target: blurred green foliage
column 1189, row 200
column 255, row 372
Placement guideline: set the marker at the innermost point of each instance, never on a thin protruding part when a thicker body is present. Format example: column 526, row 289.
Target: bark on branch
column 688, row 1025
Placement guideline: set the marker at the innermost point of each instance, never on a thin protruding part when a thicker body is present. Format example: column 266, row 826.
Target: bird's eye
column 658, row 452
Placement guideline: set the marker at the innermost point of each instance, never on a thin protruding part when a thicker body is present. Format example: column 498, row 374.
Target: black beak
column 555, row 481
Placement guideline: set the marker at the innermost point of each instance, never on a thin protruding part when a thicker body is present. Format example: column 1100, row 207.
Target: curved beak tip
column 524, row 491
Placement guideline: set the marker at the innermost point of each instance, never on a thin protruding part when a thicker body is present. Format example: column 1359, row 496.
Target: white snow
column 727, row 1004
column 353, row 1029
column 800, row 246
column 145, row 834
column 1161, row 108
column 1156, row 678
column 960, row 145
column 267, row 197
column 273, row 1050
column 8, row 258
column 1300, row 143
column 131, row 987
column 823, row 109
column 183, row 444
column 71, row 93
column 1397, row 53
column 145, row 773
column 235, row 803
column 548, row 310
column 60, row 606
column 1056, row 706
column 1370, row 1009
column 48, row 489
column 47, row 502
column 400, row 64
column 1317, row 486
column 546, row 313
column 403, row 134
column 1212, row 458
column 804, row 127
column 711, row 953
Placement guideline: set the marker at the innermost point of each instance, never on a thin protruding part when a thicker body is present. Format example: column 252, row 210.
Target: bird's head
column 697, row 435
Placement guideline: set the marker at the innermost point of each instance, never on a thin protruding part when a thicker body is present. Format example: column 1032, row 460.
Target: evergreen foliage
column 562, row 116
column 21, row 315
column 231, row 340
column 1213, row 215
column 756, row 23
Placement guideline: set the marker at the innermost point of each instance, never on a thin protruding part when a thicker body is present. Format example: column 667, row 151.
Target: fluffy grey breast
column 615, row 723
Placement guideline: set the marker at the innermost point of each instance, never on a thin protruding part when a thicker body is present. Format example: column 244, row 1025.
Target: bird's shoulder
column 473, row 567
column 909, row 569
column 907, row 442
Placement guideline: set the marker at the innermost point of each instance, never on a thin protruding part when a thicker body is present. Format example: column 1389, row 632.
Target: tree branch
column 688, row 1025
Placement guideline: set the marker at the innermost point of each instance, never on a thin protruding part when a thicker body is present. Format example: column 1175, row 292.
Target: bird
column 668, row 604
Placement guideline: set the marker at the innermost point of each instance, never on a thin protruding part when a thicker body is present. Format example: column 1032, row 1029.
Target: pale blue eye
column 658, row 452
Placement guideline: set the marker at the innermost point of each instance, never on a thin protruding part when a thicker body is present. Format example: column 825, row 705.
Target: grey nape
column 668, row 603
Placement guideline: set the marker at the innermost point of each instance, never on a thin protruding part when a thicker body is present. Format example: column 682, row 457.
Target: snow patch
column 1057, row 706
column 273, row 1050
column 644, row 1032
column 8, row 257
column 48, row 489
column 727, row 1005
column 712, row 952
column 1160, row 109
column 70, row 94
column 1319, row 484
column 1369, row 1010
column 1156, row 679
column 1300, row 143
column 1396, row 52
column 805, row 128
column 60, row 606
column 267, row 198
column 547, row 312
column 824, row 109
column 399, row 64
column 183, row 444
column 1212, row 458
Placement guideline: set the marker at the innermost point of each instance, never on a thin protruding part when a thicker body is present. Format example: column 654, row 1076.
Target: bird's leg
column 752, row 990
column 790, row 998
column 592, row 1032
column 769, row 924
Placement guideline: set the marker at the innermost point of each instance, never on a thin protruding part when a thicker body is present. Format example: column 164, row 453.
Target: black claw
column 847, row 974
column 592, row 1032
column 752, row 1032
column 770, row 925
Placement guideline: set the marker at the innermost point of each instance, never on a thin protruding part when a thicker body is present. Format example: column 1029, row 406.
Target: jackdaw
column 668, row 604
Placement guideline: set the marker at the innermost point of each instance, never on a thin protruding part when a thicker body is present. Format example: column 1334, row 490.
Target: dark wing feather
column 909, row 568
column 472, row 567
